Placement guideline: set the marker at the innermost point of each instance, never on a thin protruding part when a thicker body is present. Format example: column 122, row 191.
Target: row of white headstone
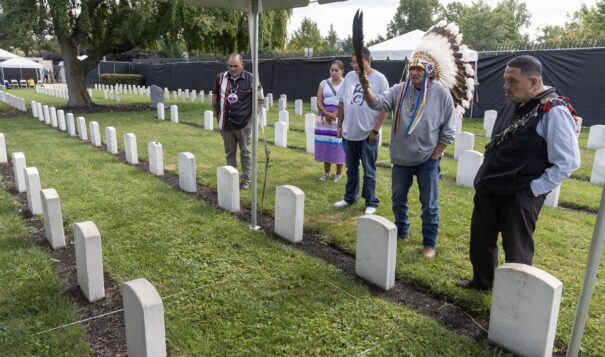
column 124, row 89
column 56, row 90
column 143, row 307
column 13, row 101
column 186, row 95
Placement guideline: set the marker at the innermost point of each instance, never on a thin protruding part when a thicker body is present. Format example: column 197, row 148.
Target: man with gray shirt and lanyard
column 232, row 106
column 359, row 127
column 423, row 125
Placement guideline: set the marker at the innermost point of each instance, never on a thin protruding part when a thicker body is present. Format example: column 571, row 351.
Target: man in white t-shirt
column 359, row 127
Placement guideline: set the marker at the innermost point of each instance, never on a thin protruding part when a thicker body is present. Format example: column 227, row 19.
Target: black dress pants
column 513, row 215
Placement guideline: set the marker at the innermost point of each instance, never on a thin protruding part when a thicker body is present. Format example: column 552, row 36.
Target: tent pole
column 592, row 266
column 253, row 11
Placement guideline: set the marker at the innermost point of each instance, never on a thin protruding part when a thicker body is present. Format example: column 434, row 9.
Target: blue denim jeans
column 427, row 175
column 367, row 153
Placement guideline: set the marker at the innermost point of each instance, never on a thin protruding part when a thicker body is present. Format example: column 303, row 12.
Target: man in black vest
column 232, row 106
column 533, row 150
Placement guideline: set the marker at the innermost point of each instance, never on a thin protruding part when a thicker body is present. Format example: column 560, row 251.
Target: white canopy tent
column 22, row 63
column 402, row 46
column 254, row 8
column 4, row 55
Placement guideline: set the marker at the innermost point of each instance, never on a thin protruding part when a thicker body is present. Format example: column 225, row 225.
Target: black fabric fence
column 576, row 73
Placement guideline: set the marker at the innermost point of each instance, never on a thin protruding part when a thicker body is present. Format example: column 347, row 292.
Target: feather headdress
column 440, row 54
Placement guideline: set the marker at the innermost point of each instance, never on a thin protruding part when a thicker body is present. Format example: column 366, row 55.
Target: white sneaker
column 325, row 177
column 370, row 210
column 337, row 178
column 341, row 204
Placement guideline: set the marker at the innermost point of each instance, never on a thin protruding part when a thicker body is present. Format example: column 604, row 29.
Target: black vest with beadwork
column 517, row 154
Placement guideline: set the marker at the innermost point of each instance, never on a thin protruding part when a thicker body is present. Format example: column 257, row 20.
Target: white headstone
column 458, row 124
column 270, row 97
column 187, row 175
column 310, row 142
column 53, row 219
column 468, row 165
column 298, row 107
column 106, row 94
column 376, row 251
column 314, row 108
column 156, row 158
column 174, row 113
column 143, row 319
column 552, row 199
column 598, row 168
column 111, row 95
column 281, row 134
column 61, row 119
column 201, row 97
column 464, row 141
column 32, row 186
column 283, row 96
column 596, row 137
column 193, row 95
column 82, row 129
column 227, row 185
column 174, row 95
column 111, row 139
column 130, row 148
column 3, row 156
column 34, row 106
column 40, row 111
column 208, row 120
column 310, row 122
column 160, row 108
column 118, row 97
column 489, row 119
column 53, row 117
column 210, row 98
column 18, row 159
column 284, row 117
column 525, row 310
column 89, row 260
column 71, row 125
column 95, row 134
column 289, row 212
column 281, row 104
column 46, row 114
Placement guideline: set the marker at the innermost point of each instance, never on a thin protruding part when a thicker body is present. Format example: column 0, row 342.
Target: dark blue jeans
column 427, row 175
column 367, row 153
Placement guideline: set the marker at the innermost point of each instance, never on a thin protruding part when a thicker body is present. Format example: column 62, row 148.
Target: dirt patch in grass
column 106, row 335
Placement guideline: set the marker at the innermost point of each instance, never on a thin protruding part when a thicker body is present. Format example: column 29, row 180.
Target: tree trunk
column 75, row 75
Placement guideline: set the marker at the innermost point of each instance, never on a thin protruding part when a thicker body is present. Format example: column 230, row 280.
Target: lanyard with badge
column 232, row 97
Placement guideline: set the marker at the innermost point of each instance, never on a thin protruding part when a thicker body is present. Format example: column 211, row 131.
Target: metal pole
column 592, row 265
column 253, row 10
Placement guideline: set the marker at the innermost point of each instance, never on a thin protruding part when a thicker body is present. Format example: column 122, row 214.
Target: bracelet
column 375, row 132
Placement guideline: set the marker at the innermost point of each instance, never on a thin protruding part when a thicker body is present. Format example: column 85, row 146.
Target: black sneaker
column 471, row 284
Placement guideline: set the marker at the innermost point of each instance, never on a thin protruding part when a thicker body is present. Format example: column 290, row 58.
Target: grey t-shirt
column 436, row 126
column 359, row 118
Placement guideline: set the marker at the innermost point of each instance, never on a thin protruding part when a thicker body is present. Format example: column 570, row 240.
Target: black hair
column 339, row 64
column 366, row 54
column 529, row 65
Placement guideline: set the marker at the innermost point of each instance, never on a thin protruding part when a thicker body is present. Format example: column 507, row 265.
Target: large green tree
column 412, row 15
column 585, row 28
column 307, row 35
column 485, row 27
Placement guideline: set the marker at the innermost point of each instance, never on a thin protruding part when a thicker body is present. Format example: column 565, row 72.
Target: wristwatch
column 375, row 132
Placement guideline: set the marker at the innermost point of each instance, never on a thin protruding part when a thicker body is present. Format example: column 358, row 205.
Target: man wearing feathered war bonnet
column 438, row 87
column 533, row 150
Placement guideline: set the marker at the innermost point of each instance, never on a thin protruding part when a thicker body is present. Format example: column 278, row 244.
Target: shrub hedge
column 118, row 78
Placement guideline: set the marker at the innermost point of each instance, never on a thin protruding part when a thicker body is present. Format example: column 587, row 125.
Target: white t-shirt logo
column 357, row 95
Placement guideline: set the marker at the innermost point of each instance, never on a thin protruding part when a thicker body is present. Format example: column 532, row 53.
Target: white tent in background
column 22, row 63
column 253, row 9
column 4, row 55
column 402, row 46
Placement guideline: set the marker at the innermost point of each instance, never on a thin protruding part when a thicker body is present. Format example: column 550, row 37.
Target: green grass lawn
column 562, row 237
column 243, row 294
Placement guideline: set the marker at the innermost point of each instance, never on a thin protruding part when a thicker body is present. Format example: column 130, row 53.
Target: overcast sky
column 378, row 13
